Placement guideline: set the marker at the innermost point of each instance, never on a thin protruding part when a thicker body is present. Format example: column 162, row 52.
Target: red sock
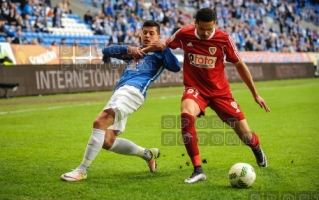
column 254, row 142
column 190, row 138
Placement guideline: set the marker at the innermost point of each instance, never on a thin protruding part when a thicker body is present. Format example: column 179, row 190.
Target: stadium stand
column 255, row 25
column 72, row 28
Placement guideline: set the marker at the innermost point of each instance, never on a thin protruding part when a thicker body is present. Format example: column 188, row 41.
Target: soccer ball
column 241, row 175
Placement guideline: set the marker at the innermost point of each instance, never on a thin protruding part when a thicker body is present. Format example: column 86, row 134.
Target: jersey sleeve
column 232, row 54
column 175, row 39
column 171, row 63
column 116, row 51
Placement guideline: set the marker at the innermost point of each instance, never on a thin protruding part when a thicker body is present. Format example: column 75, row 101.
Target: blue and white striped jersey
column 141, row 73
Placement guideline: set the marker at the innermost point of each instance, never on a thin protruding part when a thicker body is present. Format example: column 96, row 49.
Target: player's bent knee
column 185, row 110
column 104, row 119
column 190, row 106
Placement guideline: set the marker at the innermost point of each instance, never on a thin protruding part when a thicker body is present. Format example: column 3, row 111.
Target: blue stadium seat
column 34, row 34
column 26, row 34
column 7, row 27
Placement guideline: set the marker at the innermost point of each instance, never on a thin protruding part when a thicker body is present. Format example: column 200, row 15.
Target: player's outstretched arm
column 247, row 78
column 119, row 52
column 115, row 51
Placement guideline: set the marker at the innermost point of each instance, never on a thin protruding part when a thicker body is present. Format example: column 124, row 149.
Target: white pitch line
column 49, row 108
column 58, row 107
column 153, row 98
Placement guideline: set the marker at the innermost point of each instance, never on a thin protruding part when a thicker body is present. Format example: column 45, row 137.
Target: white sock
column 92, row 149
column 127, row 147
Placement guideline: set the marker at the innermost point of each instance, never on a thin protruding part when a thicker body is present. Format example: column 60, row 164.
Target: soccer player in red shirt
column 205, row 50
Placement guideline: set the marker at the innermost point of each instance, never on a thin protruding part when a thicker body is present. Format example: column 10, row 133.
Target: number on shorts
column 192, row 91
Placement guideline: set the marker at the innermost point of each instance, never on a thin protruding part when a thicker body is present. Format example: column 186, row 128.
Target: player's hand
column 159, row 45
column 262, row 103
column 135, row 52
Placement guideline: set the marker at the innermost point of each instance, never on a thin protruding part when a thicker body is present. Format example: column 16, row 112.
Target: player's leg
column 250, row 139
column 190, row 108
column 127, row 147
column 112, row 112
column 230, row 112
column 95, row 143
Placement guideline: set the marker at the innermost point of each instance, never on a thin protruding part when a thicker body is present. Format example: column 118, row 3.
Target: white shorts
column 124, row 101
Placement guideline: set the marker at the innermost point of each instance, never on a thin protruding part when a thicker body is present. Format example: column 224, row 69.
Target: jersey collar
column 213, row 33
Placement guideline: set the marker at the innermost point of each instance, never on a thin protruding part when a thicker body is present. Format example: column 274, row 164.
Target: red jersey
column 203, row 66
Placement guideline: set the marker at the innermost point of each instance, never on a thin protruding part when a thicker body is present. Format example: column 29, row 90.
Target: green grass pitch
column 44, row 137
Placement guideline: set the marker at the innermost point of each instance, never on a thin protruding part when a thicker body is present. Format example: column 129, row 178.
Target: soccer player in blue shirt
column 129, row 94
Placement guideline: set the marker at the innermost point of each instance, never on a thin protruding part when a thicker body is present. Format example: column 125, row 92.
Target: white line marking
column 49, row 108
column 152, row 98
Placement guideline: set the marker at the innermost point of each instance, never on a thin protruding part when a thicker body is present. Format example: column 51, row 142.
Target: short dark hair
column 152, row 23
column 205, row 15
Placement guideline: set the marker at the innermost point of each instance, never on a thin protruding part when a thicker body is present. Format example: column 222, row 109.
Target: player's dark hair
column 152, row 23
column 205, row 15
